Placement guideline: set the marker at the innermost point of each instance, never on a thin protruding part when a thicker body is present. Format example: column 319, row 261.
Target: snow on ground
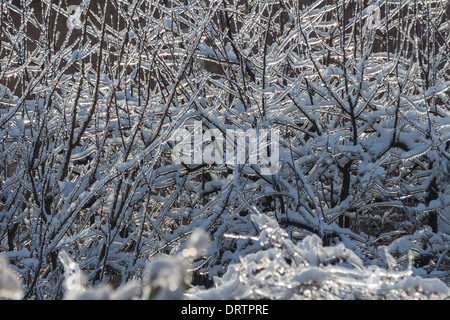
column 282, row 270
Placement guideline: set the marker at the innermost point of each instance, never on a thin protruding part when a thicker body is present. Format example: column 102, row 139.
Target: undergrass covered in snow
column 281, row 269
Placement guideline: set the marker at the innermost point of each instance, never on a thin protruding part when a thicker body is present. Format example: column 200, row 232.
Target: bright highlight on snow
column 252, row 146
column 243, row 150
column 282, row 270
column 74, row 19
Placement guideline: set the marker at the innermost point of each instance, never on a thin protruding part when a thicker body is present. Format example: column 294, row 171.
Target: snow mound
column 308, row 270
column 281, row 270
column 10, row 286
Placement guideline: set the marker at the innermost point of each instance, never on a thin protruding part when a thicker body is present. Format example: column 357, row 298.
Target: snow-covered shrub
column 168, row 277
column 88, row 117
column 10, row 286
column 308, row 270
column 76, row 289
